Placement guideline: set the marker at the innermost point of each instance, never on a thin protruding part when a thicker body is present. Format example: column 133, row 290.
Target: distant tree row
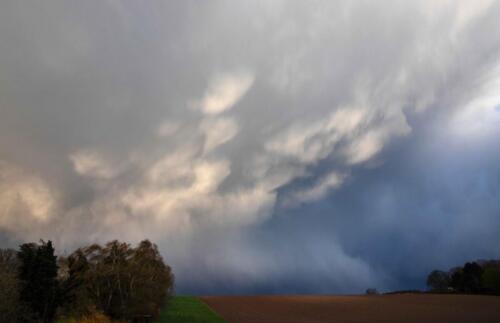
column 482, row 277
column 114, row 281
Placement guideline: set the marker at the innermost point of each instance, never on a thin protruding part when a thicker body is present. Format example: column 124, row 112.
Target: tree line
column 95, row 283
column 481, row 277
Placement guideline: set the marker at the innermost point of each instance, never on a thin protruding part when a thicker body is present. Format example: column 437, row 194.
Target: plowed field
column 356, row 309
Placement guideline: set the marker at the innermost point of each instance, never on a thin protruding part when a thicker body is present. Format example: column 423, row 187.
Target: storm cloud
column 266, row 146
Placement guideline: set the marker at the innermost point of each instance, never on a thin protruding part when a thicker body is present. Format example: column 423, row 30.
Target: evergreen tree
column 38, row 277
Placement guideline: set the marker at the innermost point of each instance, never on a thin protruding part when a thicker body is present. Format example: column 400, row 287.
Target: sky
column 265, row 146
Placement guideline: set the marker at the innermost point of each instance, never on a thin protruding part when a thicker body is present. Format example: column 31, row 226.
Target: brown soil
column 353, row 309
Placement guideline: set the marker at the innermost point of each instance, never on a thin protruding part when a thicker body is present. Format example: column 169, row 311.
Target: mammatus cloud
column 25, row 199
column 92, row 164
column 479, row 119
column 224, row 91
column 168, row 128
column 317, row 190
column 219, row 129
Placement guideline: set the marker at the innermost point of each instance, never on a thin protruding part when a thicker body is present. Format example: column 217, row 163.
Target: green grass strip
column 188, row 309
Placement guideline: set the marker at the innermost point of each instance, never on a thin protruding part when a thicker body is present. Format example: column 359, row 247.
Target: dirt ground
column 353, row 309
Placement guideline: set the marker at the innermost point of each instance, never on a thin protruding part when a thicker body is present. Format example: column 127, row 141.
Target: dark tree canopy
column 93, row 284
column 37, row 273
column 491, row 278
column 9, row 286
column 438, row 280
column 118, row 280
column 481, row 277
column 468, row 278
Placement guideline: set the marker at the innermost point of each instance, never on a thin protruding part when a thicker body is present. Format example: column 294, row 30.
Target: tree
column 37, row 273
column 72, row 272
column 10, row 306
column 151, row 280
column 457, row 278
column 468, row 278
column 472, row 277
column 491, row 278
column 438, row 280
column 120, row 281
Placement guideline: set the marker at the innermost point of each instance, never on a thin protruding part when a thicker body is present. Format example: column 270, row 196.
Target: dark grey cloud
column 268, row 146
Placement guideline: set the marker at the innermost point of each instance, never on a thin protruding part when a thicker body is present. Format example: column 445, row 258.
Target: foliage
column 120, row 281
column 94, row 318
column 186, row 309
column 11, row 309
column 491, row 278
column 482, row 277
column 37, row 273
column 468, row 278
column 438, row 280
column 110, row 283
column 73, row 290
column 89, row 318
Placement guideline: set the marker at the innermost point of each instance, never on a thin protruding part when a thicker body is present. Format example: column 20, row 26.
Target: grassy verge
column 188, row 309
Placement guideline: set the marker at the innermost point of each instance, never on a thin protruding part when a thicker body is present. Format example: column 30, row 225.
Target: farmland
column 357, row 309
column 187, row 309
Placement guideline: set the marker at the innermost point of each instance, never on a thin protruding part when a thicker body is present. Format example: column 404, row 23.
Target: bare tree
column 121, row 281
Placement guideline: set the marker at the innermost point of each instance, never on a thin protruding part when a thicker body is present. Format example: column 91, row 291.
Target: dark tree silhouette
column 472, row 277
column 438, row 280
column 10, row 307
column 38, row 279
column 490, row 279
column 468, row 278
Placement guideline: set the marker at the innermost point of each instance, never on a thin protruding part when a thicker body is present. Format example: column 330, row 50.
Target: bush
column 89, row 318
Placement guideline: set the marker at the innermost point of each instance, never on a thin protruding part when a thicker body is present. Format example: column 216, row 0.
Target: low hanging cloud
column 207, row 126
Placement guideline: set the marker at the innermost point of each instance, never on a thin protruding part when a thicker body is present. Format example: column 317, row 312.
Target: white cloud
column 24, row 197
column 168, row 128
column 92, row 164
column 217, row 132
column 479, row 119
column 311, row 142
column 224, row 91
column 359, row 131
column 317, row 191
